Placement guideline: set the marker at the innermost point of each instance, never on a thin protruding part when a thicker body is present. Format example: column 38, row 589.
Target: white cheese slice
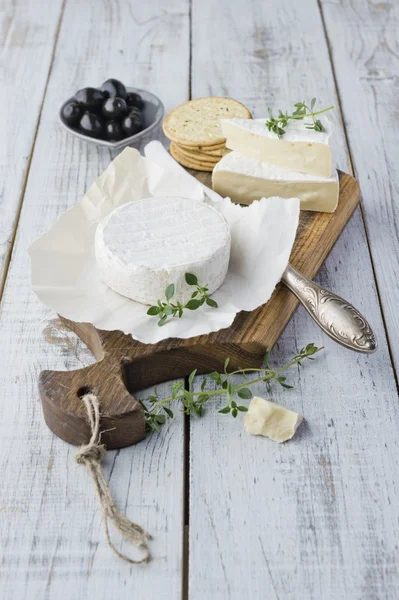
column 271, row 420
column 143, row 246
column 245, row 179
column 300, row 149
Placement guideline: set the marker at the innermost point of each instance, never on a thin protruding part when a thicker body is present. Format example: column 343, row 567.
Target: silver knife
column 336, row 317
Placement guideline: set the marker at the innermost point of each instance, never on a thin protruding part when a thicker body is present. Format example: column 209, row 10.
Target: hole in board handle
column 82, row 391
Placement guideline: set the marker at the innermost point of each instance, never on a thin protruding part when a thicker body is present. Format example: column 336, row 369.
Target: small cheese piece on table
column 143, row 246
column 271, row 420
column 300, row 149
column 245, row 179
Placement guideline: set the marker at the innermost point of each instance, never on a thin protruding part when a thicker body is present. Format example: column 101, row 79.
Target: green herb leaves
column 245, row 393
column 191, row 279
column 163, row 310
column 224, row 385
column 169, row 292
column 302, row 110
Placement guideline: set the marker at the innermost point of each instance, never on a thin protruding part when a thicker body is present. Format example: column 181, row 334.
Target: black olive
column 91, row 125
column 113, row 131
column 135, row 111
column 71, row 112
column 90, row 97
column 132, row 124
column 133, row 99
column 114, row 88
column 114, row 108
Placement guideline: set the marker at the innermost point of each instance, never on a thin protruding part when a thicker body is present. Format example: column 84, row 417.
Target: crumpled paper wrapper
column 65, row 275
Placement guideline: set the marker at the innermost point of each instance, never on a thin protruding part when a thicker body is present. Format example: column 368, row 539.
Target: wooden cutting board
column 125, row 365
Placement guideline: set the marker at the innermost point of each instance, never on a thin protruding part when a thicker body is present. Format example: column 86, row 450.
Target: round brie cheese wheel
column 143, row 246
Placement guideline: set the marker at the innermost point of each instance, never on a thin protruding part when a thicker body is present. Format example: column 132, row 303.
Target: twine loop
column 91, row 456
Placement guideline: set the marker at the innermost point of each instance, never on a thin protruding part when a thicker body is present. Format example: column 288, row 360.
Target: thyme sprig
column 166, row 309
column 156, row 409
column 302, row 110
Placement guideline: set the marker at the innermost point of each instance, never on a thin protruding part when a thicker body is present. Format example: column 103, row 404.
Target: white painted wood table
column 233, row 516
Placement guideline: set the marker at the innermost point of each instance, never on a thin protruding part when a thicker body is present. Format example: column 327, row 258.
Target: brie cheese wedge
column 245, row 179
column 143, row 246
column 301, row 149
column 271, row 420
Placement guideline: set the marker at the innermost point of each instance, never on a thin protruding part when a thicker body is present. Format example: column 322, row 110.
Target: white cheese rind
column 245, row 179
column 271, row 420
column 143, row 246
column 300, row 149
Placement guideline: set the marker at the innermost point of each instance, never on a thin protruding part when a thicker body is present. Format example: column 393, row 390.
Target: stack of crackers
column 194, row 129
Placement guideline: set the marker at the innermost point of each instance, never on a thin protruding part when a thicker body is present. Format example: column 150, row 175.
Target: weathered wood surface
column 364, row 40
column 27, row 40
column 52, row 539
column 316, row 517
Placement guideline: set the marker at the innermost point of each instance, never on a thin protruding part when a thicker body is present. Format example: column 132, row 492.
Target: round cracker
column 216, row 153
column 197, row 122
column 203, row 148
column 178, row 153
column 188, row 163
column 196, row 156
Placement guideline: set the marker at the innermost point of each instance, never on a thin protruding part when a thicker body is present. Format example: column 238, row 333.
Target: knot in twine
column 91, row 456
column 89, row 453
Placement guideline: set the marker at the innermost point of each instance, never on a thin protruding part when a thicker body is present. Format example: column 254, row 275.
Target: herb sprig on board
column 167, row 308
column 302, row 110
column 156, row 409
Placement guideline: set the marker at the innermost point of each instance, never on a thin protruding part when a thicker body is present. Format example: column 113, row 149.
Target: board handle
column 336, row 317
column 122, row 417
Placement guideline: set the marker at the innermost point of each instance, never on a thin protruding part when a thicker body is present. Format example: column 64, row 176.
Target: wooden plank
column 363, row 37
column 316, row 517
column 53, row 544
column 27, row 40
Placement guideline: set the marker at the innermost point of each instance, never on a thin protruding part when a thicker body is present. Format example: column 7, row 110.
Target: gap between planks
column 190, row 45
column 7, row 259
column 187, row 418
column 186, row 504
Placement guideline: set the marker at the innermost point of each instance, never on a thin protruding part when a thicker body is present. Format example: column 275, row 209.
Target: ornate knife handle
column 336, row 317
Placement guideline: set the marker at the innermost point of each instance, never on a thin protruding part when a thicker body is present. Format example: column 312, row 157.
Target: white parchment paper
column 65, row 275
